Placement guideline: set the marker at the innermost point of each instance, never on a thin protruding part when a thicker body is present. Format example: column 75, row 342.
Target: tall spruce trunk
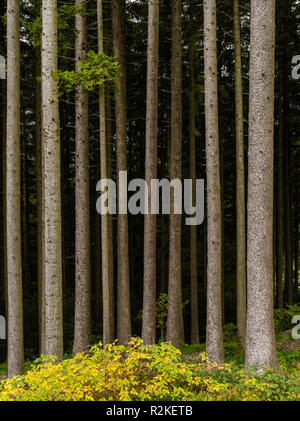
column 52, row 184
column 193, row 228
column 287, row 212
column 123, row 307
column 174, row 322
column 279, row 238
column 15, row 344
column 240, row 184
column 39, row 200
column 110, row 235
column 3, row 161
column 149, row 298
column 82, row 327
column 296, row 245
column 214, row 332
column 107, row 336
column 260, row 334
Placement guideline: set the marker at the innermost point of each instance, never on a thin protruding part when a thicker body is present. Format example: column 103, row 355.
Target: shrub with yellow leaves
column 138, row 372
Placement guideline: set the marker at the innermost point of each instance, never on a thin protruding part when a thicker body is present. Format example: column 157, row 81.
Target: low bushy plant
column 139, row 372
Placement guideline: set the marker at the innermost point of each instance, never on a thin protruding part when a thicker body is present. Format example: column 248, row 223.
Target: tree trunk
column 279, row 242
column 214, row 333
column 13, row 197
column 52, row 187
column 287, row 212
column 296, row 244
column 25, row 246
column 149, row 298
column 82, row 327
column 193, row 228
column 39, row 200
column 240, row 184
column 110, row 235
column 260, row 335
column 3, row 146
column 174, row 323
column 97, row 260
column 124, row 317
column 107, row 337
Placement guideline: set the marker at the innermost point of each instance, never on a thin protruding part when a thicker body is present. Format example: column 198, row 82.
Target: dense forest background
column 287, row 128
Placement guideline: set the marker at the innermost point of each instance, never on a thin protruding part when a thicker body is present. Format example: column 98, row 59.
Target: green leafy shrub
column 289, row 360
column 96, row 69
column 162, row 313
column 112, row 373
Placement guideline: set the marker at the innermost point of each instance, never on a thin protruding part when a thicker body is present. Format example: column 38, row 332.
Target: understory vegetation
column 159, row 372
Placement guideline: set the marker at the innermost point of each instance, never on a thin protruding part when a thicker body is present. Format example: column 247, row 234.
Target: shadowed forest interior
column 160, row 89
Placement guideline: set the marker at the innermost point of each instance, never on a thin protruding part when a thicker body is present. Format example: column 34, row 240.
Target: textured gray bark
column 107, row 337
column 193, row 228
column 109, row 140
column 240, row 183
column 3, row 146
column 296, row 247
column 24, row 217
column 82, row 326
column 149, row 298
column 97, row 260
column 279, row 238
column 214, row 333
column 123, row 308
column 15, row 353
column 260, row 335
column 174, row 321
column 287, row 215
column 52, row 184
column 39, row 202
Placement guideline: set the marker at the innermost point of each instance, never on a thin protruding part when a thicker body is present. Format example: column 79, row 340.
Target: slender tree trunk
column 13, row 197
column 296, row 245
column 25, row 247
column 260, row 334
column 193, row 228
column 288, row 216
column 110, row 237
column 149, row 299
column 82, row 328
column 124, row 318
column 39, row 201
column 214, row 333
column 240, row 184
column 174, row 323
column 52, row 187
column 107, row 337
column 4, row 142
column 205, row 257
column 279, row 242
column 163, row 254
column 65, row 174
column 221, row 153
column 97, row 293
